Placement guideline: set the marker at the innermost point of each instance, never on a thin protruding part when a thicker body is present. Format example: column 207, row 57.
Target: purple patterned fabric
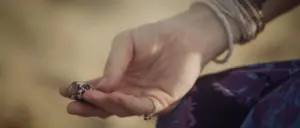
column 255, row 96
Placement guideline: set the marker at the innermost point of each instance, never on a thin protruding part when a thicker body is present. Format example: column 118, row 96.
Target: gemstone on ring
column 77, row 89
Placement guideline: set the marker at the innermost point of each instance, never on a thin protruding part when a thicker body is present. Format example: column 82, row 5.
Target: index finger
column 65, row 90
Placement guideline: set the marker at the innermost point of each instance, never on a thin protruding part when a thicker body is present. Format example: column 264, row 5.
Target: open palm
column 161, row 60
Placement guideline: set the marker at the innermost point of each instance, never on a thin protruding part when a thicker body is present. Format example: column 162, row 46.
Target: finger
column 136, row 105
column 84, row 110
column 120, row 56
column 64, row 90
column 149, row 103
column 107, row 102
column 94, row 82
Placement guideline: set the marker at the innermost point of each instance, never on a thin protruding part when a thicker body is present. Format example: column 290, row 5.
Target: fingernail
column 63, row 91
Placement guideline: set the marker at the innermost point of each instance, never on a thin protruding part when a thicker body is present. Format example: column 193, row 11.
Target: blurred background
column 45, row 44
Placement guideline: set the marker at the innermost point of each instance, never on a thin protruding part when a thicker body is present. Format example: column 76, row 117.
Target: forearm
column 274, row 8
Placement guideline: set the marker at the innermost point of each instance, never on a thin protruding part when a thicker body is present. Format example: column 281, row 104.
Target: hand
column 161, row 60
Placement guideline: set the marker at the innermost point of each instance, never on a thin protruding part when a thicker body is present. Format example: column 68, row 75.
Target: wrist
column 236, row 31
column 226, row 34
column 204, row 30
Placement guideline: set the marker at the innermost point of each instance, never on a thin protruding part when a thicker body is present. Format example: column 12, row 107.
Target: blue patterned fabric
column 254, row 96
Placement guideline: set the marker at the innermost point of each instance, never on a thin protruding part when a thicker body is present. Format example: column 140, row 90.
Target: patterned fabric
column 255, row 96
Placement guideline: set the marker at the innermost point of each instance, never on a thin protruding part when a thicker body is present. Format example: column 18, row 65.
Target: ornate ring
column 77, row 89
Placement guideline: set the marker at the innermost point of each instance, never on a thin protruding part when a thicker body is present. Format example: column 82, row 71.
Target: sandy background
column 46, row 43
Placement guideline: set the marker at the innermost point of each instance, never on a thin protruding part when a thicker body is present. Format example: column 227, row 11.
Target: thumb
column 119, row 58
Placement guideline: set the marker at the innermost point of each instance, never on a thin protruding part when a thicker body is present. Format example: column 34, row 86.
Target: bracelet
column 258, row 3
column 247, row 15
column 254, row 10
column 228, row 28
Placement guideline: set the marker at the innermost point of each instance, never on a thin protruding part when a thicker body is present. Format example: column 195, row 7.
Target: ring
column 150, row 115
column 77, row 89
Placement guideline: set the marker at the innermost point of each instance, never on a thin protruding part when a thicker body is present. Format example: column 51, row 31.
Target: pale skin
column 161, row 59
